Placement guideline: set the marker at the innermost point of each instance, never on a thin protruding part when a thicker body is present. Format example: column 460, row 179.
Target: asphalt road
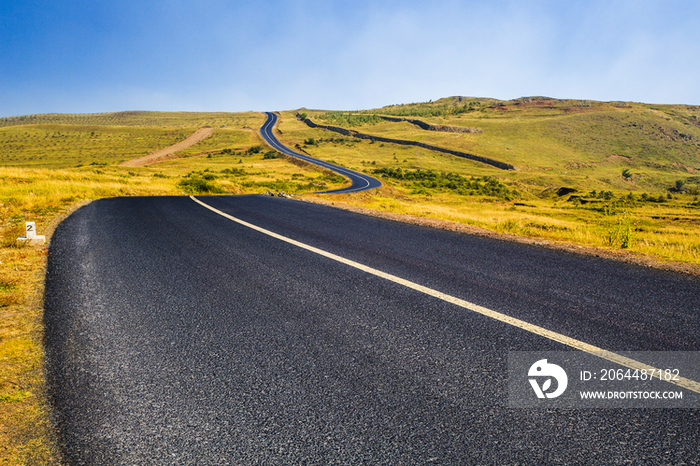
column 360, row 181
column 177, row 336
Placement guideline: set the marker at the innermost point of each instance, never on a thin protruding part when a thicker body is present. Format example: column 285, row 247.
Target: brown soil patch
column 616, row 158
column 169, row 152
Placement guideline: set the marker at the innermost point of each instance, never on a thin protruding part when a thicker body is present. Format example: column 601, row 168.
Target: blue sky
column 80, row 56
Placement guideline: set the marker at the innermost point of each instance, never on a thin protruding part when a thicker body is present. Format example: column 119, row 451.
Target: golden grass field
column 612, row 179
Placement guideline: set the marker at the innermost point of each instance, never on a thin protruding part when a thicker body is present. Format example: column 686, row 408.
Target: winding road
column 257, row 330
column 360, row 181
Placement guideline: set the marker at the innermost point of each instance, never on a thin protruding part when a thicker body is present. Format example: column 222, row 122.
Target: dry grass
column 659, row 249
column 26, row 435
column 656, row 232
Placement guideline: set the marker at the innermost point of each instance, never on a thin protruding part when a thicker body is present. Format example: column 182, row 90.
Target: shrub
column 233, row 171
column 678, row 188
column 194, row 184
column 430, row 179
column 349, row 119
column 620, row 235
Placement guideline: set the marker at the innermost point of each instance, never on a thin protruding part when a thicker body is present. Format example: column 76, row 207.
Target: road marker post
column 31, row 238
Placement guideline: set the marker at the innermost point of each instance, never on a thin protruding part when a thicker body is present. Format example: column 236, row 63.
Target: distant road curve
column 404, row 142
column 360, row 181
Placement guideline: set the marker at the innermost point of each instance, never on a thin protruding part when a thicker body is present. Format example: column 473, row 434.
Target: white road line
column 543, row 332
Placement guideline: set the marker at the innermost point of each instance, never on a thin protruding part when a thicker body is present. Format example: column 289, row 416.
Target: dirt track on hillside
column 168, row 152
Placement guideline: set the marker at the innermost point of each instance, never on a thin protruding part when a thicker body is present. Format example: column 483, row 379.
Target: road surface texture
column 177, row 336
column 360, row 181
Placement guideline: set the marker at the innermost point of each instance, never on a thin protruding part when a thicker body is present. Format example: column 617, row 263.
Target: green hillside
column 605, row 174
column 583, row 143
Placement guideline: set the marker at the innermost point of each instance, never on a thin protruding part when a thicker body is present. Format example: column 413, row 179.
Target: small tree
column 626, row 173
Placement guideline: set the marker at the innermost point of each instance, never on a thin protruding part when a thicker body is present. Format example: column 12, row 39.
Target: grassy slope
column 63, row 141
column 548, row 136
column 49, row 164
column 553, row 144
